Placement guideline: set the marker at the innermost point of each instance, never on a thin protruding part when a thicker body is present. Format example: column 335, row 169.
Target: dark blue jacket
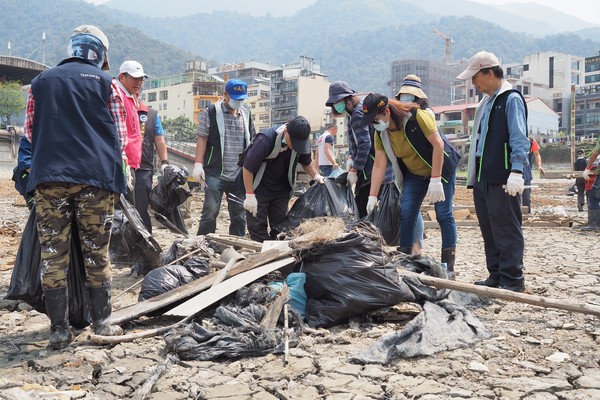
column 74, row 136
column 20, row 173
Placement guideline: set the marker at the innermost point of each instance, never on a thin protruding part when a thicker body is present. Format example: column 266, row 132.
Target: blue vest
column 74, row 137
column 495, row 164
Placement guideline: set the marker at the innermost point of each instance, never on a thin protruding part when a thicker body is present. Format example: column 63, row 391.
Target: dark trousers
column 580, row 183
column 141, row 193
column 271, row 212
column 499, row 216
column 361, row 196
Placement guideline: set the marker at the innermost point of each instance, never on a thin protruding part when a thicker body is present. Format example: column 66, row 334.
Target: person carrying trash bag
column 76, row 174
column 344, row 101
column 269, row 172
column 424, row 162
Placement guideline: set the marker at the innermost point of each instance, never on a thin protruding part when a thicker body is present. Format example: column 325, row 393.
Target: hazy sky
column 587, row 10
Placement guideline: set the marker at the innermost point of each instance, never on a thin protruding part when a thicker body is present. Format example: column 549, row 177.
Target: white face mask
column 235, row 104
column 381, row 125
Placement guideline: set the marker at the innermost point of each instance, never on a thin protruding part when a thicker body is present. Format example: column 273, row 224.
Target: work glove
column 163, row 165
column 515, row 184
column 250, row 204
column 349, row 164
column 198, row 173
column 319, row 178
column 352, row 178
column 371, row 204
column 586, row 174
column 129, row 177
column 435, row 191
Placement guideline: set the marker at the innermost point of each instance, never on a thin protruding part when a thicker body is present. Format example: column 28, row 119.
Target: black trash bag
column 26, row 280
column 163, row 279
column 198, row 266
column 143, row 251
column 330, row 199
column 386, row 216
column 348, row 277
column 117, row 247
column 170, row 192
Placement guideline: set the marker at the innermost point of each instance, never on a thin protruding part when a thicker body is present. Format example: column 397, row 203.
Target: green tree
column 11, row 100
column 180, row 128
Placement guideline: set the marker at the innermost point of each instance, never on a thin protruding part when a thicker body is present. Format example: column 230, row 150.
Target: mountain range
column 352, row 40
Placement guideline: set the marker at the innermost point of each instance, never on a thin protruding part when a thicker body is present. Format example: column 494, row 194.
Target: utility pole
column 448, row 42
column 572, row 124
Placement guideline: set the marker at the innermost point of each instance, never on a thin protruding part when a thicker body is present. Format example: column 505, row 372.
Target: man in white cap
column 131, row 80
column 76, row 124
column 497, row 159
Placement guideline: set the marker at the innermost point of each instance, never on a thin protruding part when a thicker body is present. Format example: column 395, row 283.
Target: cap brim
column 300, row 146
column 367, row 119
column 238, row 96
column 467, row 74
column 138, row 75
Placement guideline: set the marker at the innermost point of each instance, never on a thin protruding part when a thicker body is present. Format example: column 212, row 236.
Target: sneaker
column 487, row 282
column 518, row 288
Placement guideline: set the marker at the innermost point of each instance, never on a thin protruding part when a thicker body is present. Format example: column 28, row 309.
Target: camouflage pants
column 56, row 205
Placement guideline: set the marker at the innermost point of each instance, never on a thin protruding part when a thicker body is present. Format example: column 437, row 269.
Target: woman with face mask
column 424, row 161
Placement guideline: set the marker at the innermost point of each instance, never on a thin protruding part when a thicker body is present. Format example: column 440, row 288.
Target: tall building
column 436, row 78
column 299, row 89
column 184, row 94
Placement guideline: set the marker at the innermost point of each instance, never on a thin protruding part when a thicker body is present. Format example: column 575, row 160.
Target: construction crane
column 449, row 43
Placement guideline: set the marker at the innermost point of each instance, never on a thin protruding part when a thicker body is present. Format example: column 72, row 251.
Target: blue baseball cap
column 237, row 89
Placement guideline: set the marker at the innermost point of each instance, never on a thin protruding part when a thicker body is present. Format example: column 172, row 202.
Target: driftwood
column 235, row 241
column 133, row 311
column 286, row 335
column 269, row 321
column 208, row 297
column 559, row 304
column 143, row 391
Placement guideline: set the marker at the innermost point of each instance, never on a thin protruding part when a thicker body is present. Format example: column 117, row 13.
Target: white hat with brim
column 412, row 85
column 479, row 61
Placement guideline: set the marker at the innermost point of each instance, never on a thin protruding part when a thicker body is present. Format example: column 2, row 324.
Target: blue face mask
column 340, row 107
column 406, row 98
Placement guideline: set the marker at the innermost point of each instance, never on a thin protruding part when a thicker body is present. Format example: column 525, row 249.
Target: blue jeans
column 325, row 170
column 413, row 194
column 213, row 194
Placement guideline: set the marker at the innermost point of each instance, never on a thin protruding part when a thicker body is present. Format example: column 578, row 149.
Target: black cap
column 372, row 105
column 299, row 131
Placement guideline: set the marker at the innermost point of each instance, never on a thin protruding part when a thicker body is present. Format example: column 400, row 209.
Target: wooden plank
column 559, row 304
column 271, row 317
column 133, row 311
column 566, row 174
column 232, row 240
column 216, row 293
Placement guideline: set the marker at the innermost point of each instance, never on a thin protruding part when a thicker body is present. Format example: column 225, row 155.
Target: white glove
column 515, row 184
column 198, row 173
column 250, row 204
column 435, row 191
column 129, row 176
column 319, row 178
column 371, row 204
column 586, row 174
column 349, row 164
column 162, row 167
column 352, row 178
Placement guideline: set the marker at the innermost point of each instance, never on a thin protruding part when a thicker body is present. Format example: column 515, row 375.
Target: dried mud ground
column 534, row 353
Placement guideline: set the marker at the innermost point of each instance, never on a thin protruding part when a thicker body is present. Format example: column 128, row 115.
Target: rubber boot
column 593, row 221
column 101, row 309
column 57, row 309
column 448, row 257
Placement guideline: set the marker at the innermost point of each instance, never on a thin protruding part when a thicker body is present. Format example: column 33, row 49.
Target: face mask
column 340, row 107
column 235, row 104
column 381, row 125
column 406, row 98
